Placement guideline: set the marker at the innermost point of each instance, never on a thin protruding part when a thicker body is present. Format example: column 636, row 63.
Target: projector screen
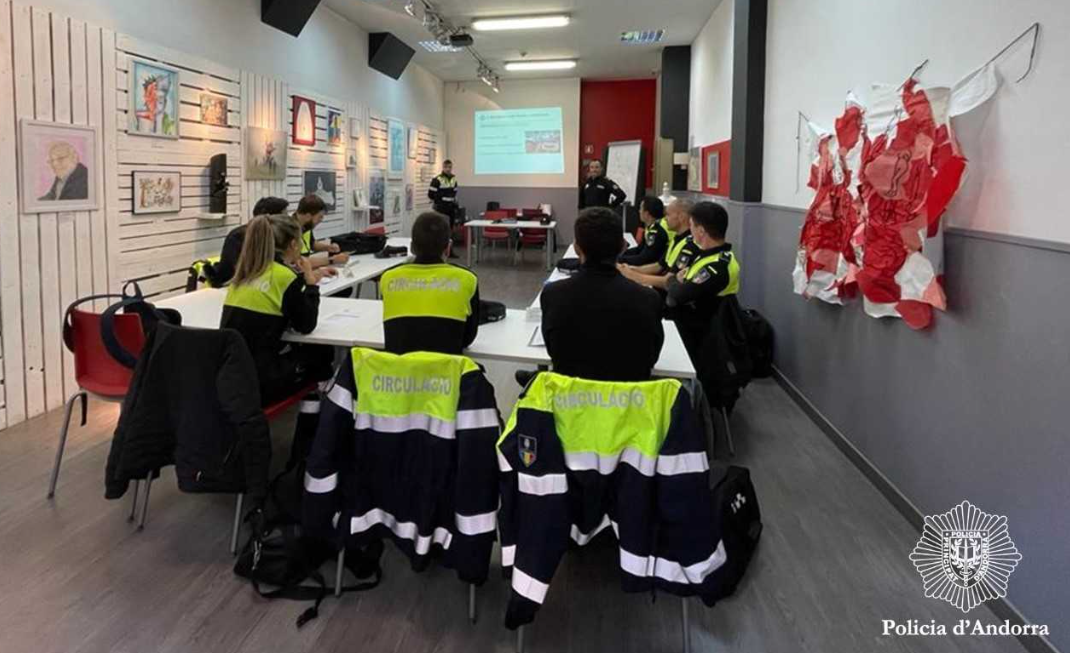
column 519, row 142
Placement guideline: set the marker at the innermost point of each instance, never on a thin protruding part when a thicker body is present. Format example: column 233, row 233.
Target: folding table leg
column 237, row 524
column 133, row 501
column 339, row 568
column 472, row 603
column 687, row 626
column 145, row 502
column 520, row 640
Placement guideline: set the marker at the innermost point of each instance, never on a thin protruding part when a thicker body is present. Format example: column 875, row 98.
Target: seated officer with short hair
column 430, row 305
column 656, row 235
column 597, row 324
column 695, row 294
column 679, row 253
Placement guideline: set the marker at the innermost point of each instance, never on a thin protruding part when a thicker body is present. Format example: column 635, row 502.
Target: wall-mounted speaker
column 218, row 184
column 388, row 54
column 290, row 16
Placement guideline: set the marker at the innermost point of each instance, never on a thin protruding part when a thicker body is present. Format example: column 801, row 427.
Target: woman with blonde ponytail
column 274, row 289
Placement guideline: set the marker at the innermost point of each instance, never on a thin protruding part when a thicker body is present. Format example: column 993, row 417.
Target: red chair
column 495, row 235
column 95, row 370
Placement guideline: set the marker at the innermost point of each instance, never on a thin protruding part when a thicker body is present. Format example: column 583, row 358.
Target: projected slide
column 519, row 142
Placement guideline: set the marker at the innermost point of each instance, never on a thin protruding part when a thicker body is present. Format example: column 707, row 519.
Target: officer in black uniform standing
column 443, row 194
column 600, row 191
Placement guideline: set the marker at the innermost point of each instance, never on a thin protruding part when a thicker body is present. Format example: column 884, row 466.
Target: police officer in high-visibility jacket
column 443, row 195
column 430, row 305
column 656, row 235
column 695, row 293
column 679, row 252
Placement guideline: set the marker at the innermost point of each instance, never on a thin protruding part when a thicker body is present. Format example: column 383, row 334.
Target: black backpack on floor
column 738, row 520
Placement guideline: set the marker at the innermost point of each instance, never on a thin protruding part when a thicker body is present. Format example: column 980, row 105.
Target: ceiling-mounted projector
column 461, row 40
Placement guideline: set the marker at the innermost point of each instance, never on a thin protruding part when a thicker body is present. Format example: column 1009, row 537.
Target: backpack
column 490, row 312
column 130, row 301
column 738, row 520
column 760, row 342
column 281, row 555
column 724, row 365
column 358, row 243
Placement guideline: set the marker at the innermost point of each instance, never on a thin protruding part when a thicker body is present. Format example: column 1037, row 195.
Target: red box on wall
column 719, row 156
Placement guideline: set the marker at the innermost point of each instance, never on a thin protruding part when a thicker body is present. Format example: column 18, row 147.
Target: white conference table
column 361, row 268
column 359, row 323
column 474, row 228
column 558, row 275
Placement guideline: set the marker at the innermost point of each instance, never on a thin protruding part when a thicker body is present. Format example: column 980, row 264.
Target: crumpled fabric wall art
column 882, row 180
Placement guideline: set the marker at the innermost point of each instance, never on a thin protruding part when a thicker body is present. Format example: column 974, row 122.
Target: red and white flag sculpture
column 882, row 181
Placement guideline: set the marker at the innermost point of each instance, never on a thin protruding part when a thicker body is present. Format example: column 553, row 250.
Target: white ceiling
column 593, row 36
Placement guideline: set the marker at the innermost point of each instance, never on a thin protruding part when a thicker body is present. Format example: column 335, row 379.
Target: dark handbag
column 390, row 252
column 357, row 243
column 738, row 521
column 760, row 340
column 491, row 312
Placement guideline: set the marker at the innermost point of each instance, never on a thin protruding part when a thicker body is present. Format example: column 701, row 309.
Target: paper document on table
column 536, row 338
column 345, row 317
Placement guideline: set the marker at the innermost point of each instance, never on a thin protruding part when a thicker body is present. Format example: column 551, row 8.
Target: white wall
column 463, row 100
column 1016, row 145
column 330, row 56
column 711, row 78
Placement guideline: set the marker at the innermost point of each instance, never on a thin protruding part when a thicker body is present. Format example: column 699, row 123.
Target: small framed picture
column 413, row 142
column 304, row 121
column 152, row 91
column 351, row 159
column 59, row 167
column 334, row 128
column 214, row 110
column 157, row 192
column 355, row 128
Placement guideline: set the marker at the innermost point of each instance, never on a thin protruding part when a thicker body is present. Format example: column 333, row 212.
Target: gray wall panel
column 974, row 408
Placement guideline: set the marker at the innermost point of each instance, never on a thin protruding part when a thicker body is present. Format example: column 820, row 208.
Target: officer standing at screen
column 600, row 191
column 443, row 194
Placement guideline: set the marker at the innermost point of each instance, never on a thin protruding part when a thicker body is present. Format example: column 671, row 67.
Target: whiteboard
column 622, row 166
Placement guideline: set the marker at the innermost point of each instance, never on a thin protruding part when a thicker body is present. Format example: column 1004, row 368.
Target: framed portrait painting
column 304, row 121
column 396, row 150
column 716, row 175
column 322, row 184
column 265, row 154
column 152, row 92
column 157, row 192
column 59, row 167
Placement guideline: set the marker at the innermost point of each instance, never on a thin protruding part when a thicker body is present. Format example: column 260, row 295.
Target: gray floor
column 76, row 577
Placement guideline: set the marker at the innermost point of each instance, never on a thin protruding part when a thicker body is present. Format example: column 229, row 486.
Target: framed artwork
column 408, row 198
column 265, row 154
column 355, row 129
column 413, row 142
column 214, row 110
column 323, row 185
column 152, row 90
column 694, row 170
column 304, row 121
column 157, row 192
column 716, row 160
column 396, row 150
column 59, row 167
column 358, row 198
column 351, row 159
column 376, row 197
column 334, row 128
column 394, row 202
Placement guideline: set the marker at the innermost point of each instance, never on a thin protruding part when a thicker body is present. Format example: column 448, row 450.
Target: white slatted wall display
column 378, row 143
column 156, row 250
column 321, row 157
column 57, row 69
column 265, row 104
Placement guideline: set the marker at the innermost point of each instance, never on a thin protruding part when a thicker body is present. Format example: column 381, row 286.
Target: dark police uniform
column 693, row 303
column 429, row 306
column 599, row 325
column 222, row 271
column 443, row 194
column 655, row 243
column 262, row 311
column 601, row 191
column 679, row 254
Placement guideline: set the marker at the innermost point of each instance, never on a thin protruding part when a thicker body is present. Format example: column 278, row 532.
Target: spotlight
column 410, row 8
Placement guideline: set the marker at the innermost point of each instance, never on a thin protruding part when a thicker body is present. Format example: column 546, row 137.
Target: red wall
column 623, row 110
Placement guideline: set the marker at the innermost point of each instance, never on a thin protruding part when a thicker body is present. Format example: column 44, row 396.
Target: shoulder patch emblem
column 703, row 276
column 529, row 449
